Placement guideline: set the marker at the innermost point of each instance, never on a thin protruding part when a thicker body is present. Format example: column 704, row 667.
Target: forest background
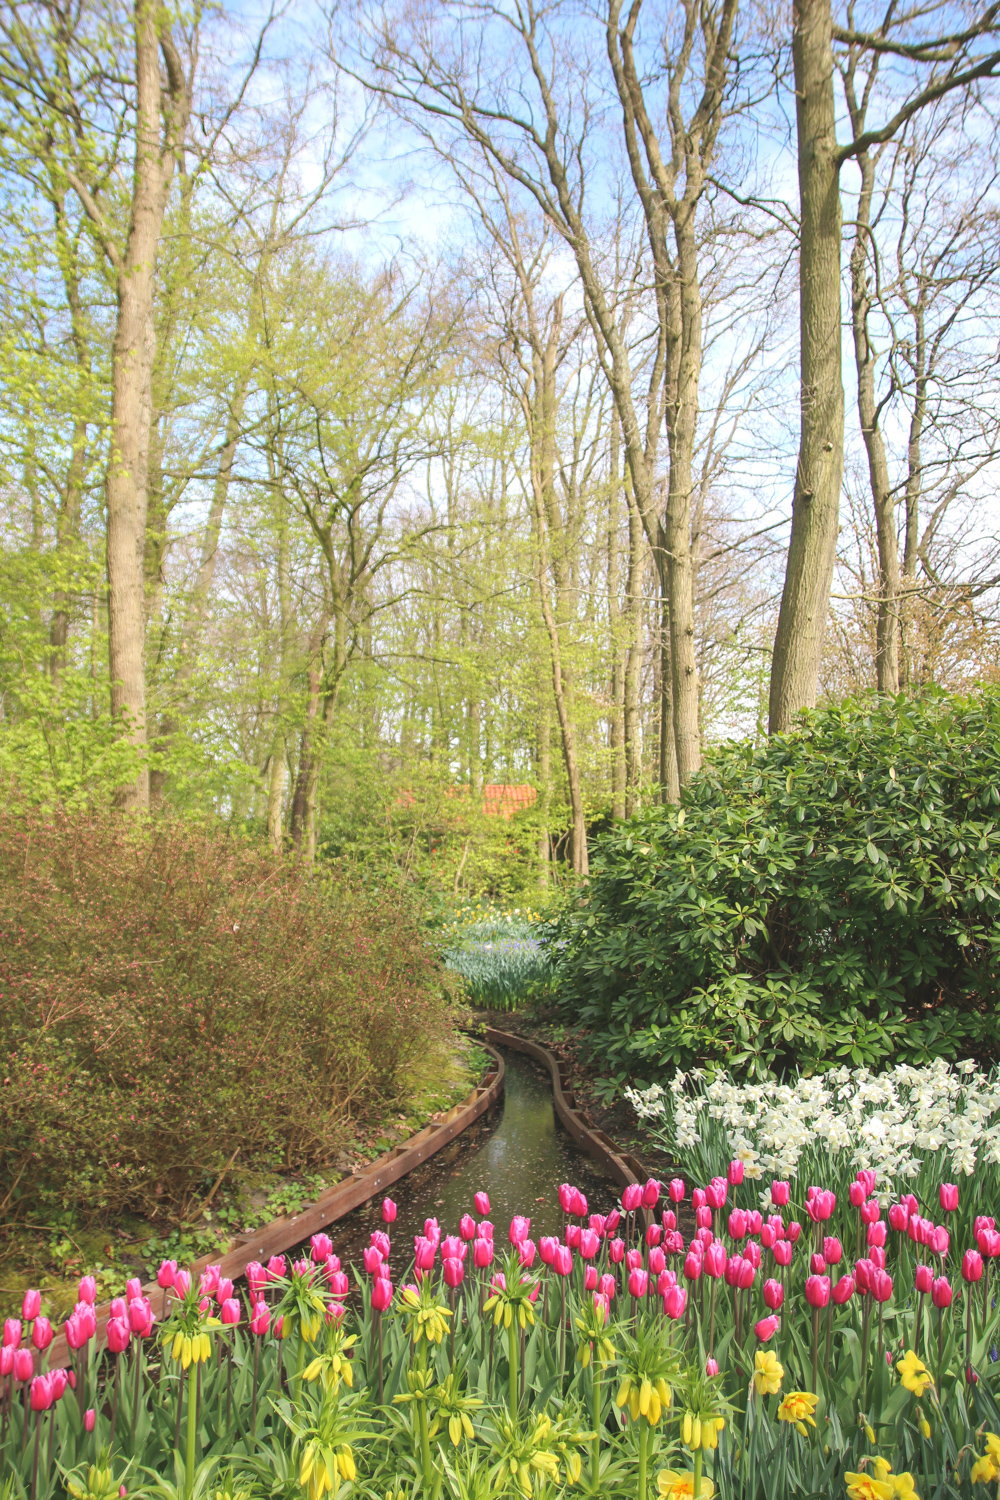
column 406, row 401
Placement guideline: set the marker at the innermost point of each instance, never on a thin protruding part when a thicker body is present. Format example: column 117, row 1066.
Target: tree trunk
column 914, row 486
column 545, row 794
column 276, row 794
column 805, row 599
column 619, row 649
column 670, row 787
column 131, row 408
column 634, row 655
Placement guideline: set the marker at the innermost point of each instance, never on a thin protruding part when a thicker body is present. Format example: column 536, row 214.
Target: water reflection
column 519, row 1154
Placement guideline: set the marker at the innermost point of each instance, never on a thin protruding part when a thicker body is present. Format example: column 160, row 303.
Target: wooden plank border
column 371, row 1181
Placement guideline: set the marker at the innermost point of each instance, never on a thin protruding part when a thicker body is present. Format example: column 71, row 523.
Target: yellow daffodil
column 992, row 1446
column 673, row 1485
column 914, row 1374
column 925, row 1427
column 902, row 1485
column 984, row 1470
column 768, row 1373
column 798, row 1407
column 867, row 1487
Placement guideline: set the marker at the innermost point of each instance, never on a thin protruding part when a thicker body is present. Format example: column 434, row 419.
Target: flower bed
column 809, row 1346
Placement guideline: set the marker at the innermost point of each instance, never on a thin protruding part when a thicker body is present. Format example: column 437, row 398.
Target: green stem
column 697, row 1474
column 300, row 1364
column 512, row 1366
column 425, row 1443
column 643, row 1430
column 595, row 1447
column 192, row 1430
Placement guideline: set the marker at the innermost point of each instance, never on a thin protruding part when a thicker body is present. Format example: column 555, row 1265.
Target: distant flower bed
column 497, row 952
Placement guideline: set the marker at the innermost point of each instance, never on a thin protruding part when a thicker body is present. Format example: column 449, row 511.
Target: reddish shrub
column 171, row 998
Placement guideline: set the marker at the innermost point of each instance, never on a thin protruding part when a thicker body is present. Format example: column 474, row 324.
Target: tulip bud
column 881, row 1285
column 716, row 1192
column 794, row 1229
column 697, row 1198
column 24, row 1364
column 229, row 1313
column 817, row 1290
column 482, row 1203
column 547, row 1249
column 715, row 1260
column 32, row 1304
column 41, row 1393
column 382, row 1294
column 924, row 1280
column 562, row 1262
column 12, row 1331
column 632, row 1198
column 676, row 1189
column 767, row 1328
column 817, row 1265
column 669, row 1220
column 711, row 1367
column 654, row 1234
column 89, row 1418
column 590, row 1279
column 482, row 1253
column 425, row 1251
column 948, row 1194
column 972, row 1266
column 388, row 1211
column 941, row 1292
column 989, row 1242
column 692, row 1266
column 260, row 1319
column 752, row 1253
column 674, row 1302
column 767, row 1236
column 566, row 1198
column 87, row 1287
column 638, row 1282
column 857, row 1194
column 611, row 1223
column 182, row 1283
column 140, row 1317
column 6, row 1358
column 598, row 1223
column 656, row 1261
column 843, row 1291
column 338, row 1283
column 118, row 1335
column 321, row 1246
column 454, row 1271
column 832, row 1250
column 651, row 1193
column 745, row 1273
column 735, row 1173
column 579, row 1208
column 616, row 1251
column 780, row 1192
column 774, row 1294
column 737, row 1224
column 898, row 1218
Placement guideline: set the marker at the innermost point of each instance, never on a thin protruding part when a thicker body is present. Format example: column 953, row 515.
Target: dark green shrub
column 831, row 896
column 174, row 1000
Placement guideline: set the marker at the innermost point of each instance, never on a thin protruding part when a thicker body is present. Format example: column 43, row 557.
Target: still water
column 518, row 1153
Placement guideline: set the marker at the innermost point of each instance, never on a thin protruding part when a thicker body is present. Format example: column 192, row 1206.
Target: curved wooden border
column 622, row 1165
column 288, row 1230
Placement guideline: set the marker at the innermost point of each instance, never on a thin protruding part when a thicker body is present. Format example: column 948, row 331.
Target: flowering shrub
column 830, row 897
column 175, row 1002
column 759, row 1361
column 497, row 952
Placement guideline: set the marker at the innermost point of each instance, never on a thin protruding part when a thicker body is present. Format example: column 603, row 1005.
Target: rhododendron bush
column 760, row 1358
column 174, row 1001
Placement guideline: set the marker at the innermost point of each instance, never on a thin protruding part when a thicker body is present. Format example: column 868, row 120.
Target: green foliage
column 176, row 1003
column 498, row 954
column 831, row 896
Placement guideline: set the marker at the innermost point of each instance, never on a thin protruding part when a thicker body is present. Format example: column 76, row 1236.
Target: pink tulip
column 745, row 1273
column 321, row 1246
column 673, row 1243
column 656, row 1261
column 74, row 1331
column 774, row 1294
column 454, row 1271
column 989, row 1242
column 388, row 1211
column 697, row 1198
column 692, row 1265
column 425, row 1251
column 611, row 1223
column 260, row 1319
column 118, row 1308
column 164, row 1278
column 601, row 1306
column 579, row 1208
column 675, row 1188
column 482, row 1254
column 780, row 1192
column 229, row 1313
column 864, row 1270
column 519, row 1229
column 752, row 1253
column 24, row 1364
column 716, row 1192
column 41, row 1393
column 453, row 1248
column 256, row 1278
column 301, row 1268
column 767, row 1328
column 948, row 1194
column 589, row 1244
column 562, row 1261
column 843, row 1291
column 6, row 1358
column 654, row 1234
column 484, row 1230
column 870, row 1212
column 467, row 1227
column 372, row 1259
column 941, row 1292
column 651, row 1193
column 607, row 1286
column 876, row 1255
column 711, row 1367
column 338, row 1284
column 590, row 1279
column 118, row 1335
column 768, row 1236
column 526, row 1254
column 972, row 1266
column 566, row 1198
column 379, row 1240
column 87, row 1286
column 669, row 1220
column 868, row 1178
column 87, row 1316
column 224, row 1290
column 898, row 1218
column 89, row 1418
column 881, row 1285
column 755, row 1222
column 12, row 1331
column 638, row 1282
column 276, row 1268
column 547, row 1247
column 876, row 1234
column 482, row 1203
column 735, row 1173
column 817, row 1265
column 833, row 1250
column 817, row 1290
column 140, row 1317
column 794, row 1229
column 782, row 1252
column 674, row 1302
column 857, row 1194
column 939, row 1240
column 715, row 1259
column 616, row 1251
column 381, row 1294
column 664, row 1281
column 32, row 1304
column 632, row 1198
column 737, row 1224
column 821, row 1206
column 573, row 1232
column 703, row 1217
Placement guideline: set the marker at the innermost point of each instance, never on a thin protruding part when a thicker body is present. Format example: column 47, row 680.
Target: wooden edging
column 292, row 1229
column 622, row 1165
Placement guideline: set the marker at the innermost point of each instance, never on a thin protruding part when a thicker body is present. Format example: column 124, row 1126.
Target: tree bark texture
column 805, row 599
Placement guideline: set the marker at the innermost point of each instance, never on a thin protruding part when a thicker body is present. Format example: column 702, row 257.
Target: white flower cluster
column 888, row 1121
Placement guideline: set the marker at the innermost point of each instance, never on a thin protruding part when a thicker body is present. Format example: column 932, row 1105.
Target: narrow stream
column 518, row 1153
